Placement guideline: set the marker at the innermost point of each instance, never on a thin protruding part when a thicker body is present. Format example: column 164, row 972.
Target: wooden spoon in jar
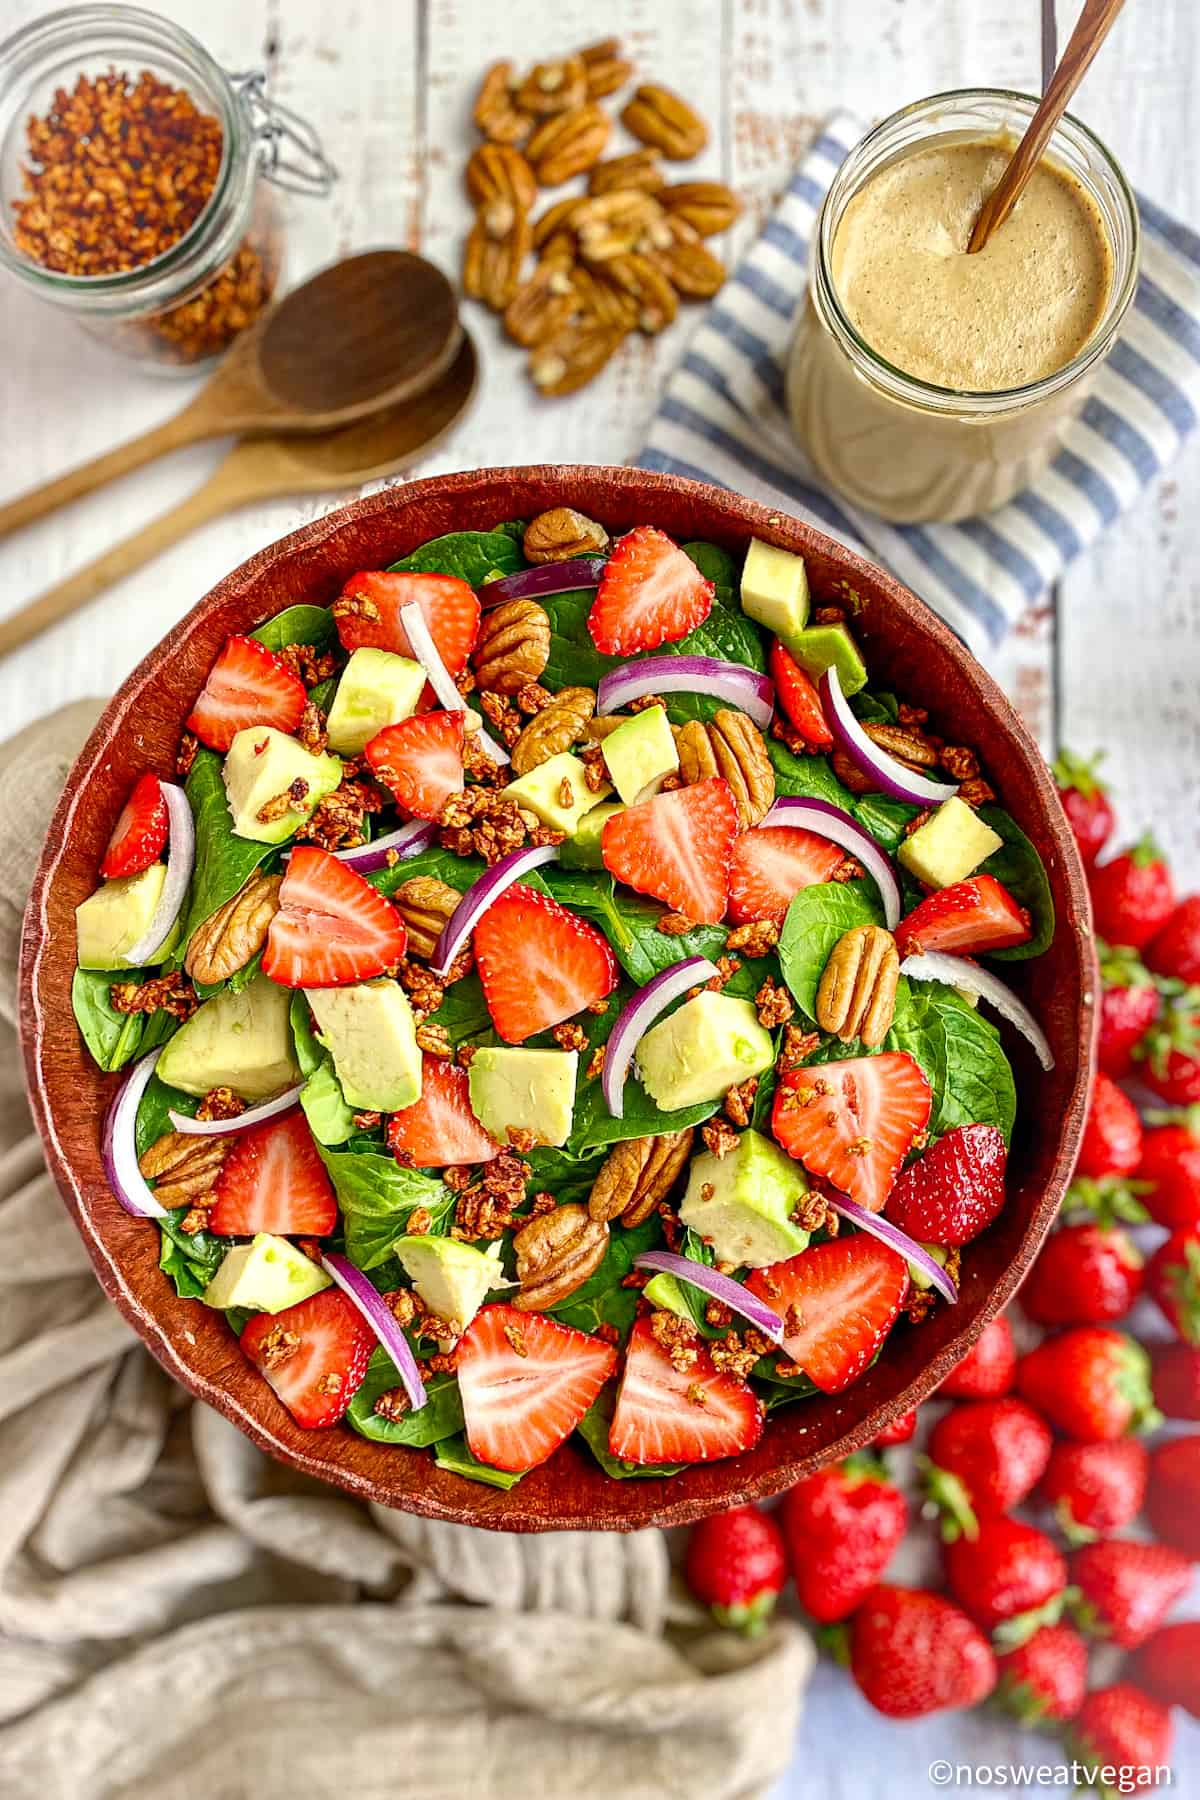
column 1091, row 29
column 368, row 332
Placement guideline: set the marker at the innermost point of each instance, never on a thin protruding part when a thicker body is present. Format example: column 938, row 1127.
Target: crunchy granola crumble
column 739, row 1101
column 757, row 938
column 220, row 1103
column 719, row 1137
column 392, row 1405
column 774, row 1005
column 171, row 993
column 570, row 1036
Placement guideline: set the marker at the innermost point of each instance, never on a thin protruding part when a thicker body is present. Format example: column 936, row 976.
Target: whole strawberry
column 1091, row 1382
column 1129, row 1005
column 736, row 1564
column 1175, row 1375
column 984, row 1458
column 1112, row 1133
column 842, row 1527
column 1168, row 1665
column 1175, row 951
column 1043, row 1680
column 1085, row 802
column 1127, row 1588
column 955, row 1190
column 1086, row 1274
column 1132, row 895
column 1168, row 1057
column 1095, row 1489
column 1170, row 1168
column 987, row 1370
column 1010, row 1578
column 1173, row 1494
column 899, row 1431
column 1120, row 1727
column 1173, row 1282
column 912, row 1652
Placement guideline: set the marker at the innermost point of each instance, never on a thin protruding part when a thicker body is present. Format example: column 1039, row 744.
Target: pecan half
column 554, row 87
column 657, row 302
column 685, row 260
column 856, row 997
column 730, row 745
column 425, row 904
column 542, row 305
column 640, row 169
column 707, row 206
column 495, row 112
column 558, row 221
column 556, row 1252
column 568, row 143
column 611, row 224
column 607, row 69
column 658, row 116
column 575, row 356
column 561, row 534
column 492, row 265
column 907, row 743
column 237, row 931
column 183, row 1168
column 513, row 646
column 499, row 173
column 554, row 729
column 599, row 300
column 637, row 1174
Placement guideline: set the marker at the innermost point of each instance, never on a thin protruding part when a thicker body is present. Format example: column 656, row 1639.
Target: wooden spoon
column 259, row 469
column 367, row 332
column 1091, row 29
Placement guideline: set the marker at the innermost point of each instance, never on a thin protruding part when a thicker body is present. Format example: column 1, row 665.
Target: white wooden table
column 1113, row 660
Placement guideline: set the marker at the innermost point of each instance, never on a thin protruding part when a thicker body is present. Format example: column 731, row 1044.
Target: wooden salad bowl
column 908, row 648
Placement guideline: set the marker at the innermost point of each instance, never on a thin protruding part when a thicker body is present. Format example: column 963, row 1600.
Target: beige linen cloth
column 184, row 1619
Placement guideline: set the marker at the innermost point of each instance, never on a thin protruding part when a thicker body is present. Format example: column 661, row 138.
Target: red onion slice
column 717, row 1287
column 896, row 1240
column 482, row 894
column 829, row 821
column 889, row 776
column 181, row 860
column 408, row 841
column 636, row 1017
column 420, row 639
column 375, row 1310
column 254, row 1115
column 119, row 1146
column 547, row 578
column 959, row 972
column 750, row 692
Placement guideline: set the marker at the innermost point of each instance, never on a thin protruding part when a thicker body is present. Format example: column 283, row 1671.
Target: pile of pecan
column 608, row 261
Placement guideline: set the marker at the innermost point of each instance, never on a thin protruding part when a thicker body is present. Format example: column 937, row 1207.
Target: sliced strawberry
column 677, row 847
column 421, row 760
column 273, row 1179
column 140, row 832
column 314, row 1355
column 650, row 593
column 796, row 693
column 538, row 963
column 450, row 608
column 967, row 918
column 770, row 865
column 853, row 1122
column 440, row 1128
column 669, row 1415
column 526, row 1381
column 839, row 1299
column 332, row 927
column 247, row 685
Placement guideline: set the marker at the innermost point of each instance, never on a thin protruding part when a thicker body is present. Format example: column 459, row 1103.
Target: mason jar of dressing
column 927, row 384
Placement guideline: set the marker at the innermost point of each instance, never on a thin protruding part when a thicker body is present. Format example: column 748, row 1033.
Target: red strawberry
column 987, row 1370
column 769, row 866
column 1168, row 1665
column 984, row 1458
column 1043, row 1680
column 900, row 1431
column 796, row 694
column 650, row 593
column 1086, row 1274
column 1010, row 1578
column 1127, row 1588
column 677, row 847
column 970, row 917
column 1095, row 1489
column 1085, row 802
column 1132, row 896
column 273, row 1179
column 526, row 1381
column 913, row 1652
column 736, row 1565
column 1129, row 1005
column 420, row 760
column 1120, row 1728
column 839, row 1300
column 1168, row 1057
column 843, row 1526
column 853, row 1122
column 539, row 964
column 247, row 685
column 141, row 831
column 1173, row 1494
column 440, row 1129
column 1176, row 1380
column 1170, row 1167
column 669, row 1415
column 955, row 1190
column 1175, row 950
column 1091, row 1383
column 1173, row 1282
column 332, row 927
column 1112, row 1134
column 314, row 1355
column 448, row 606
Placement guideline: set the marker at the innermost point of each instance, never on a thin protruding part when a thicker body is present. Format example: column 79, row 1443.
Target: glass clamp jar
column 164, row 261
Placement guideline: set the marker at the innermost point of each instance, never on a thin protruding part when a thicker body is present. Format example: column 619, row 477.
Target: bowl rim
column 481, row 1506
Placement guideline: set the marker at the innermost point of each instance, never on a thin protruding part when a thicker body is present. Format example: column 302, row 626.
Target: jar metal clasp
column 293, row 156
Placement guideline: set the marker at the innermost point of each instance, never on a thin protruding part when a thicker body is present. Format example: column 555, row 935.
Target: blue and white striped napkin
column 723, row 418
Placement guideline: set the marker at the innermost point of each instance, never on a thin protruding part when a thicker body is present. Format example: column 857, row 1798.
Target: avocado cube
column 701, row 1050
column 453, row 1279
column 556, row 792
column 241, row 1041
column 742, row 1203
column 775, row 588
column 370, row 1032
column 261, row 765
column 582, row 850
column 822, row 647
column 377, row 689
column 268, row 1274
column 524, row 1090
column 109, row 922
column 949, row 846
column 640, row 754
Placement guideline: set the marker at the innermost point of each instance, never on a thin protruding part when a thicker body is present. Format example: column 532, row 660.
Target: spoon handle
column 1091, row 29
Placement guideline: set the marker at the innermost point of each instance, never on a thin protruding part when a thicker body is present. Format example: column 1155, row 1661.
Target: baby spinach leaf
column 314, row 625
column 567, row 1177
column 779, row 1390
column 440, row 1417
column 377, row 1196
column 1020, row 869
column 811, row 777
column 464, row 1011
column 453, row 1453
column 471, row 555
column 309, row 1052
column 885, row 819
column 114, row 1038
column 717, row 566
column 726, row 634
column 815, row 921
column 190, row 1261
column 223, row 862
column 630, row 923
column 593, row 1428
column 456, row 871
column 602, row 1300
column 153, row 1121
column 875, row 709
column 961, row 1055
column 574, row 659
